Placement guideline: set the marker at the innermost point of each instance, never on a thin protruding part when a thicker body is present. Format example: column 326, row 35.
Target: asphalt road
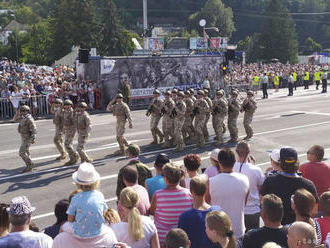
column 299, row 121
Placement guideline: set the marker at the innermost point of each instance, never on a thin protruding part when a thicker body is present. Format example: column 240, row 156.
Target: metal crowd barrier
column 38, row 104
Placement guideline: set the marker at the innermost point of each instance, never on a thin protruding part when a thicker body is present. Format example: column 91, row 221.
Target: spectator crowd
column 38, row 86
column 217, row 206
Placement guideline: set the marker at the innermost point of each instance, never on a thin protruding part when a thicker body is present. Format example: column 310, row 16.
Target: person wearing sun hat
column 214, row 169
column 20, row 211
column 285, row 182
column 87, row 207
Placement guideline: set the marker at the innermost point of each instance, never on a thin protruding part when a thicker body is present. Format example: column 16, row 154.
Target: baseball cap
column 20, row 205
column 275, row 155
column 288, row 156
column 214, row 154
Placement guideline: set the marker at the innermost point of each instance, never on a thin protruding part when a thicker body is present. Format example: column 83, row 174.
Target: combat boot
column 119, row 153
column 62, row 157
column 155, row 140
column 73, row 160
column 28, row 168
column 89, row 160
column 161, row 138
column 179, row 148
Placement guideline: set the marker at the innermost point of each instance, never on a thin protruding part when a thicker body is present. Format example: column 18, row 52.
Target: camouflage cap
column 156, row 92
column 167, row 93
column 133, row 150
column 250, row 93
column 82, row 105
column 187, row 92
column 25, row 108
column 200, row 92
column 206, row 90
column 68, row 102
column 220, row 93
column 234, row 93
column 119, row 95
column 181, row 94
column 58, row 101
column 175, row 91
column 192, row 91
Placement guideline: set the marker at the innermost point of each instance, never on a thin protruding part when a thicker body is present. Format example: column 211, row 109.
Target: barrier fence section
column 39, row 106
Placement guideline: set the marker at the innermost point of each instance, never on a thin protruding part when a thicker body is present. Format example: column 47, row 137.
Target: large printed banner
column 107, row 66
column 147, row 73
column 198, row 43
column 156, row 44
column 219, row 43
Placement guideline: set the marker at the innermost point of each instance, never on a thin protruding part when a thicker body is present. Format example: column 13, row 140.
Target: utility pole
column 145, row 23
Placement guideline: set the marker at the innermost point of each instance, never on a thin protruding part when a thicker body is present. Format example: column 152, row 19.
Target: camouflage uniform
column 201, row 107
column 122, row 113
column 126, row 91
column 249, row 106
column 27, row 130
column 156, row 115
column 233, row 112
column 58, row 138
column 208, row 115
column 220, row 110
column 188, row 128
column 69, row 128
column 83, row 122
column 179, row 120
column 168, row 122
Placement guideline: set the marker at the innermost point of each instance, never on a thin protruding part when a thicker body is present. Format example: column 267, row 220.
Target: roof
column 14, row 25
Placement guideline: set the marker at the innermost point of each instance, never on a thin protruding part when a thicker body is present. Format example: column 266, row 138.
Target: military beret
column 82, row 105
column 133, row 150
column 156, row 92
column 181, row 94
column 25, row 108
column 58, row 101
column 68, row 102
column 200, row 92
column 119, row 95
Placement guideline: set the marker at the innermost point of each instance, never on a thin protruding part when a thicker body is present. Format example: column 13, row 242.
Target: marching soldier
column 83, row 122
column 188, row 128
column 233, row 112
column 201, row 107
column 57, row 110
column 167, row 123
column 249, row 106
column 122, row 113
column 179, row 118
column 154, row 111
column 208, row 114
column 27, row 130
column 192, row 94
column 219, row 112
column 69, row 127
column 174, row 94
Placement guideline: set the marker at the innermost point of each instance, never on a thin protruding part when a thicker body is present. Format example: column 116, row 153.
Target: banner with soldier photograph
column 144, row 74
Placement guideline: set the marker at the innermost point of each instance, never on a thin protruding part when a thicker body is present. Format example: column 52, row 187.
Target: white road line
column 313, row 113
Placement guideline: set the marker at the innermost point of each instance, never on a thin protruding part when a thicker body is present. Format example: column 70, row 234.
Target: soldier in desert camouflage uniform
column 83, row 122
column 192, row 94
column 179, row 119
column 167, row 122
column 249, row 106
column 233, row 112
column 122, row 113
column 27, row 130
column 219, row 112
column 208, row 114
column 201, row 107
column 174, row 95
column 57, row 110
column 188, row 128
column 69, row 127
column 155, row 111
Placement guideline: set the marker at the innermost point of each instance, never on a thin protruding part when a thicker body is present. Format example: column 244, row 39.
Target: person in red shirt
column 315, row 170
column 324, row 222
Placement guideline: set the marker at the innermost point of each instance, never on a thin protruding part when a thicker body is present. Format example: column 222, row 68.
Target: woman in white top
column 15, row 98
column 245, row 165
column 135, row 230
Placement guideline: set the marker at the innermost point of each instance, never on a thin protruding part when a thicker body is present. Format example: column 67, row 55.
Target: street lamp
column 13, row 15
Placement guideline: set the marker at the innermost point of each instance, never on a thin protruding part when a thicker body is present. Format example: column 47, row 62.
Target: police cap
column 58, row 101
column 25, row 108
column 119, row 95
column 68, row 102
column 82, row 105
column 156, row 92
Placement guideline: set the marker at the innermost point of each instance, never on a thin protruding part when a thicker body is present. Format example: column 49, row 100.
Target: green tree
column 311, row 46
column 25, row 15
column 278, row 39
column 217, row 15
column 114, row 39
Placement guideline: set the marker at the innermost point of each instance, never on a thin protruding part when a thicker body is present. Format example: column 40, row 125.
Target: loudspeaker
column 83, row 56
column 230, row 55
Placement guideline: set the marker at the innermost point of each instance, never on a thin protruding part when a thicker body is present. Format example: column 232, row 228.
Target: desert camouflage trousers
column 58, row 140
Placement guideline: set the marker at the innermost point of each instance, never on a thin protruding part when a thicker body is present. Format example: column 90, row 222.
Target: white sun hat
column 86, row 174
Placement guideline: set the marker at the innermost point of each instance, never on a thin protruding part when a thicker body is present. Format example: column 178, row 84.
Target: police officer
column 324, row 82
column 69, row 127
column 249, row 106
column 57, row 110
column 179, row 118
column 188, row 128
column 83, row 122
column 201, row 107
column 27, row 130
column 208, row 113
column 233, row 112
column 154, row 110
column 122, row 113
column 219, row 112
column 168, row 121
